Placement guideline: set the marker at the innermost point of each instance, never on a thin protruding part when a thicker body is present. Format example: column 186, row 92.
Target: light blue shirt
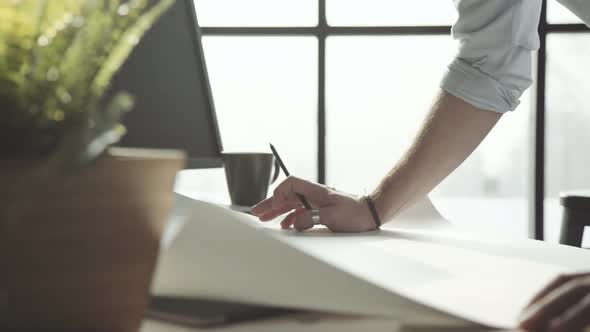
column 496, row 39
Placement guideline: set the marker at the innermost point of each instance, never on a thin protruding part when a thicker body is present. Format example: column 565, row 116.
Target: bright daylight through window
column 378, row 88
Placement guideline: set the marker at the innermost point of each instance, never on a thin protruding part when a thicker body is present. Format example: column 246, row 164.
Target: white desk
column 309, row 323
column 317, row 323
column 504, row 216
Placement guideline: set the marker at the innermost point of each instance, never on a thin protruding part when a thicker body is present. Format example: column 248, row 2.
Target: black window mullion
column 259, row 31
column 322, row 35
column 553, row 28
column 537, row 203
column 324, row 30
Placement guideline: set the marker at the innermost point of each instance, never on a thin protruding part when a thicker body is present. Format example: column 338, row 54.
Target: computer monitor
column 167, row 75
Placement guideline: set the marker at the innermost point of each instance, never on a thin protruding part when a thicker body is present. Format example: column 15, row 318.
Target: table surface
column 323, row 323
column 307, row 323
column 503, row 216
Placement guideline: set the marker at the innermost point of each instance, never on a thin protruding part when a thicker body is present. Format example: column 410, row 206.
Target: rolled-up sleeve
column 496, row 38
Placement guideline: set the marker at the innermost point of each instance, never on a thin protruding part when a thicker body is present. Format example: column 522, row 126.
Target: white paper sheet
column 410, row 275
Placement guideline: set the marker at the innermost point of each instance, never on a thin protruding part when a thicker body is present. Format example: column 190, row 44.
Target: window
column 313, row 75
column 376, row 102
column 245, row 13
column 494, row 180
column 264, row 88
column 568, row 120
column 389, row 12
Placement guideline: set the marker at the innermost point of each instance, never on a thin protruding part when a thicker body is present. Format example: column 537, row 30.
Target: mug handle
column 275, row 176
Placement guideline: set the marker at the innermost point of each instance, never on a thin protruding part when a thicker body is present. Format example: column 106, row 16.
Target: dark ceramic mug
column 249, row 176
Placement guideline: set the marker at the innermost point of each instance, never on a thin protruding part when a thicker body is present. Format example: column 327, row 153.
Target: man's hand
column 564, row 305
column 339, row 212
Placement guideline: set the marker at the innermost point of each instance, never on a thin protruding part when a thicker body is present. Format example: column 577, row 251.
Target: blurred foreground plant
column 57, row 58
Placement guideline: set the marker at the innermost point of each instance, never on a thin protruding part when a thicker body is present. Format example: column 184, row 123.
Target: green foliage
column 57, row 59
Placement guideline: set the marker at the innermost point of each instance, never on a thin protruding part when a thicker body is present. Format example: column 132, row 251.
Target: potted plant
column 79, row 221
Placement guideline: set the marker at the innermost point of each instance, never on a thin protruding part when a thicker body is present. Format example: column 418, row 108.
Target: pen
column 301, row 197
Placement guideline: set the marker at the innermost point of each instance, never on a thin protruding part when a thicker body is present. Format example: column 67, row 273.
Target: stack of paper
column 415, row 276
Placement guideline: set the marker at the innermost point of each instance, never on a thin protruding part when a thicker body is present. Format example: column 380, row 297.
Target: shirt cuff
column 478, row 88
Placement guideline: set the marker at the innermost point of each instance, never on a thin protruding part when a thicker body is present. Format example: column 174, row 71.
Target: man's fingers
column 562, row 279
column 273, row 213
column 317, row 195
column 289, row 220
column 285, row 195
column 262, row 207
column 575, row 319
column 553, row 305
column 303, row 220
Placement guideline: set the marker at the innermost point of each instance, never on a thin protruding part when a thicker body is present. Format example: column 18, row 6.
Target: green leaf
column 54, row 70
column 83, row 144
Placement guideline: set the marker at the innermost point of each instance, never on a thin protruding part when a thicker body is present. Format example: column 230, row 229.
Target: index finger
column 316, row 194
column 560, row 280
column 267, row 207
column 262, row 207
column 554, row 304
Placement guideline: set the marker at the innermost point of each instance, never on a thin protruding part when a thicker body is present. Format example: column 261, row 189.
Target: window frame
column 322, row 31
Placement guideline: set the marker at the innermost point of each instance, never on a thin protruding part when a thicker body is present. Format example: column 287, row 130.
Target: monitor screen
column 167, row 76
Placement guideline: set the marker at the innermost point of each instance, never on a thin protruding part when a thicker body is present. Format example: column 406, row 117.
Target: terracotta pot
column 80, row 253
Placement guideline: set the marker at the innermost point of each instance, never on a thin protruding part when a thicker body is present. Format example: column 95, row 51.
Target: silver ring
column 315, row 215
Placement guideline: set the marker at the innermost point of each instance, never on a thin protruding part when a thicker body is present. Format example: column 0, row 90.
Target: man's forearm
column 450, row 133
